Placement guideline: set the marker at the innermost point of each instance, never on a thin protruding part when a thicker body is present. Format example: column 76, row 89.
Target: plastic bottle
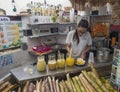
column 32, row 8
column 72, row 15
column 91, row 57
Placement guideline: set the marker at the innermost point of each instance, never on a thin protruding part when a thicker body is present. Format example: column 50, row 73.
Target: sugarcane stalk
column 93, row 69
column 47, row 87
column 87, row 90
column 54, row 84
column 50, row 82
column 65, row 87
column 76, row 85
column 26, row 88
column 40, row 84
column 97, row 88
column 99, row 82
column 9, row 88
column 37, row 86
column 69, row 83
column 61, row 87
column 73, row 86
column 80, row 84
column 19, row 89
column 43, row 86
column 35, row 90
column 32, row 87
column 57, row 86
column 88, row 85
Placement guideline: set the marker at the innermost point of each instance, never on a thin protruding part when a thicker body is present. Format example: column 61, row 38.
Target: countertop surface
column 29, row 72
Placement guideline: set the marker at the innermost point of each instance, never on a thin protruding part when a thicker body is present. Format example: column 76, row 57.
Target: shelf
column 103, row 20
column 49, row 34
column 65, row 23
column 43, row 24
column 98, row 15
column 62, row 34
column 40, row 35
column 115, row 19
column 12, row 48
column 37, row 54
column 24, row 15
column 99, row 38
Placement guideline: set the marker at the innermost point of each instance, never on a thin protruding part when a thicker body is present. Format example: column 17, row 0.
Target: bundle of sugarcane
column 6, row 86
column 93, row 69
column 85, row 82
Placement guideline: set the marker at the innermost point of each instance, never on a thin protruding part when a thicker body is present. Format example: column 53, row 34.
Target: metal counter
column 22, row 75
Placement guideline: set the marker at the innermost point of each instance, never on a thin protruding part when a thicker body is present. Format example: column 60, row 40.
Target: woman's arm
column 68, row 47
column 85, row 51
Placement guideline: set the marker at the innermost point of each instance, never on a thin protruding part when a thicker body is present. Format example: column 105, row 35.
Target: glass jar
column 52, row 62
column 61, row 61
column 41, row 64
column 70, row 60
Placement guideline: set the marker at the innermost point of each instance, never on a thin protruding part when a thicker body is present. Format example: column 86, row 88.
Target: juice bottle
column 113, row 41
column 61, row 61
column 35, row 9
column 40, row 10
column 41, row 64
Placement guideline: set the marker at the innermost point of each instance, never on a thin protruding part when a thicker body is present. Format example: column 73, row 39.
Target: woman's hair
column 82, row 23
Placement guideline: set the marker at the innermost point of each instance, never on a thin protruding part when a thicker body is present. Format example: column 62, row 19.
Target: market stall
column 42, row 64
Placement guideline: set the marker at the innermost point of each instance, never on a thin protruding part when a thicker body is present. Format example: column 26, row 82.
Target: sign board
column 4, row 19
column 6, row 60
column 10, row 33
column 40, row 19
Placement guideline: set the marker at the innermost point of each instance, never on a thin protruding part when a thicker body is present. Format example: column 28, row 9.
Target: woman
column 79, row 40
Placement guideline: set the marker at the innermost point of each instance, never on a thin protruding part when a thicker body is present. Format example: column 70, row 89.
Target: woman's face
column 81, row 30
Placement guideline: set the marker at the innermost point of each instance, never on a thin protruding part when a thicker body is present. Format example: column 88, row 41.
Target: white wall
column 21, row 4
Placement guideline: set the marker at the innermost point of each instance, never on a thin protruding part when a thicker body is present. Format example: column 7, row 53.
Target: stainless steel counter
column 21, row 73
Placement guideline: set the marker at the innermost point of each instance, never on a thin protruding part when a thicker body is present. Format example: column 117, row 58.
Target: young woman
column 79, row 40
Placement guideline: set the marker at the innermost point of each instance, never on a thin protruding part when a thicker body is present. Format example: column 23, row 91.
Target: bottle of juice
column 51, row 10
column 61, row 61
column 52, row 65
column 41, row 64
column 40, row 10
column 35, row 9
column 70, row 60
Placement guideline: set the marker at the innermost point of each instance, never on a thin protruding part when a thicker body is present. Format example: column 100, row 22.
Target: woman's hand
column 82, row 55
column 85, row 51
column 68, row 48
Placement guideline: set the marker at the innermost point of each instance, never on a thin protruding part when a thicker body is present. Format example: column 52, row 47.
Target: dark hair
column 82, row 23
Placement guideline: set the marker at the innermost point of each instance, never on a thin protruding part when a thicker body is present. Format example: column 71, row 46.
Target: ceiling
column 79, row 4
